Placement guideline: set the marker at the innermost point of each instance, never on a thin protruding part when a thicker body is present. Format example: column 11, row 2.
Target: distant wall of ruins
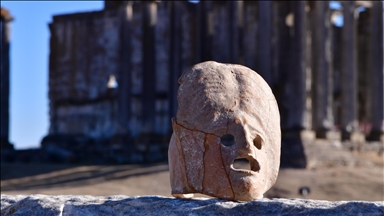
column 84, row 53
column 320, row 74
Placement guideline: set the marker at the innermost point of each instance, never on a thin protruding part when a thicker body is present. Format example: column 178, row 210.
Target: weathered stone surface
column 84, row 54
column 157, row 205
column 217, row 101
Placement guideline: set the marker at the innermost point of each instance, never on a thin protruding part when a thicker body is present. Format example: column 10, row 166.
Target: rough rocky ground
column 361, row 181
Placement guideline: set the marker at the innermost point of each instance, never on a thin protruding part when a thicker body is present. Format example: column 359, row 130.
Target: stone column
column 298, row 110
column 136, row 72
column 149, row 66
column 236, row 23
column 275, row 52
column 322, row 69
column 124, row 81
column 5, row 39
column 174, row 62
column 250, row 30
column 377, row 82
column 220, row 32
column 349, row 120
column 205, row 30
column 264, row 59
column 283, row 56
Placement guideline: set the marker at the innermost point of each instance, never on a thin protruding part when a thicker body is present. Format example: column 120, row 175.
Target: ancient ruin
column 146, row 46
column 113, row 73
column 225, row 112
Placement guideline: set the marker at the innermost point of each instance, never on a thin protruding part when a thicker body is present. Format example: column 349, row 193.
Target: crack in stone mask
column 226, row 113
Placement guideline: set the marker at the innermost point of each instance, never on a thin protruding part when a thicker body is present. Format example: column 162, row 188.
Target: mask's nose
column 239, row 138
column 245, row 146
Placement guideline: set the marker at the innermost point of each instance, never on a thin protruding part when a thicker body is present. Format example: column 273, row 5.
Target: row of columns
column 299, row 57
column 322, row 71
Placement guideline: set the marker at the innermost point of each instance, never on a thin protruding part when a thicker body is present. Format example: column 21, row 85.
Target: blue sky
column 29, row 119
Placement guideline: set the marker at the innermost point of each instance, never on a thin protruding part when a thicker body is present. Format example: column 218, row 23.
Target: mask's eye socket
column 227, row 140
column 257, row 142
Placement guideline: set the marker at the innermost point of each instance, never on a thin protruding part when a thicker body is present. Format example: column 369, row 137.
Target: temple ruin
column 113, row 73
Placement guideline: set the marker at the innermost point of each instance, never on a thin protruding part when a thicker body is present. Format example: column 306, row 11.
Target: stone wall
column 156, row 205
column 84, row 55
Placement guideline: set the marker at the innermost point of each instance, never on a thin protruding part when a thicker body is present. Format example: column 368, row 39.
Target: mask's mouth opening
column 247, row 164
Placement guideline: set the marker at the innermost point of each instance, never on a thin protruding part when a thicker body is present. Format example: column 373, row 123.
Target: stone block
column 157, row 205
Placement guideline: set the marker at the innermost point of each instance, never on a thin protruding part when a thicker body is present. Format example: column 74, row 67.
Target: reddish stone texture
column 215, row 100
column 192, row 144
column 211, row 184
column 177, row 167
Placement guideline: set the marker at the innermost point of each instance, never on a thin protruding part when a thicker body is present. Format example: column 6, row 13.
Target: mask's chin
column 246, row 180
column 246, row 187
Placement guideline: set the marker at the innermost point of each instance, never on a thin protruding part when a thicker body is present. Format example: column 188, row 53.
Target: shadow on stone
column 77, row 176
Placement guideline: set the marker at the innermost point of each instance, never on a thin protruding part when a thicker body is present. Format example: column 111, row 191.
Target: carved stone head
column 225, row 112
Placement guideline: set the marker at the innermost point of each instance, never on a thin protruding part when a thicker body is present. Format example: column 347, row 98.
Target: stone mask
column 225, row 112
